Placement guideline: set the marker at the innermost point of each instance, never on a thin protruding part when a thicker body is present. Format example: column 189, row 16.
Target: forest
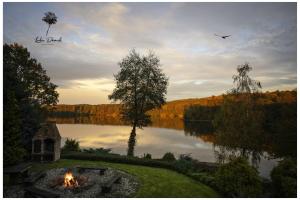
column 188, row 109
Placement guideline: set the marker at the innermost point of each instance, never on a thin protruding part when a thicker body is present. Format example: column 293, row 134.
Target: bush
column 169, row 157
column 71, row 145
column 97, row 150
column 184, row 164
column 205, row 178
column 186, row 157
column 181, row 166
column 117, row 159
column 147, row 156
column 238, row 179
column 284, row 178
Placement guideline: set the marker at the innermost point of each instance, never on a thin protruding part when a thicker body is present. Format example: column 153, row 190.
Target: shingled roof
column 47, row 130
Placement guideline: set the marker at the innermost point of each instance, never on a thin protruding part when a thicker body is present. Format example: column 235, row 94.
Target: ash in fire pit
column 88, row 183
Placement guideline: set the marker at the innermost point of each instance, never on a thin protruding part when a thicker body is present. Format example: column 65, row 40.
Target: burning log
column 69, row 180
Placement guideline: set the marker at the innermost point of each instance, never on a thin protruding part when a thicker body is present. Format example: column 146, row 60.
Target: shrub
column 97, row 150
column 284, row 178
column 147, row 156
column 238, row 179
column 169, row 157
column 117, row 159
column 186, row 157
column 71, row 145
column 184, row 164
column 205, row 178
column 181, row 166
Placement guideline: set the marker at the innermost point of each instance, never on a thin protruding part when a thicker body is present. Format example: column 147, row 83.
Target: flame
column 69, row 180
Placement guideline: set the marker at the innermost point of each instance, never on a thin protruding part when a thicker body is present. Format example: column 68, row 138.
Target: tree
column 71, row 145
column 239, row 123
column 140, row 86
column 50, row 18
column 243, row 83
column 284, row 178
column 27, row 85
column 13, row 149
column 169, row 157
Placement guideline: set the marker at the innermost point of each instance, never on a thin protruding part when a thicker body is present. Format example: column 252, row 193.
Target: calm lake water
column 164, row 136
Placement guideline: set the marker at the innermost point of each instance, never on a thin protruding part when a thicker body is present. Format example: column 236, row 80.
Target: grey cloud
column 97, row 35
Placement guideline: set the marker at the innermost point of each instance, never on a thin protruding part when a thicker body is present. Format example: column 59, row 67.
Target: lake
column 196, row 139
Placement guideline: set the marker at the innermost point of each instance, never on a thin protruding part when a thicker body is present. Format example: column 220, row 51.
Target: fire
column 69, row 180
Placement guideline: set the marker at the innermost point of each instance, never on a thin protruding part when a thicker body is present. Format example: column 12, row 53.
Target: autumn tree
column 239, row 123
column 27, row 91
column 140, row 86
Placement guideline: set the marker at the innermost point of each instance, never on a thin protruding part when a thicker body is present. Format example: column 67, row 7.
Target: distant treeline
column 270, row 102
column 182, row 109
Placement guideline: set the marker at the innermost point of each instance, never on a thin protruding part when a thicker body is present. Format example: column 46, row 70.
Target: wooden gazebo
column 46, row 143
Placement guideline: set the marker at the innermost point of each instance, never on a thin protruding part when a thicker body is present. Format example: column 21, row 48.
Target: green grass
column 154, row 182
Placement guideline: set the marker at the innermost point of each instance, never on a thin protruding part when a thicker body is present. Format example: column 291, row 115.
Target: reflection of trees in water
column 171, row 123
column 278, row 141
column 224, row 153
column 198, row 128
column 227, row 145
column 97, row 119
column 252, row 146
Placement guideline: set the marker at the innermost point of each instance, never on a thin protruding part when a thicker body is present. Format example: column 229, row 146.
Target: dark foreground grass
column 155, row 182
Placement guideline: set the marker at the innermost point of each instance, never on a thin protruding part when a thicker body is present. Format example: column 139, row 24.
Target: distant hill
column 172, row 109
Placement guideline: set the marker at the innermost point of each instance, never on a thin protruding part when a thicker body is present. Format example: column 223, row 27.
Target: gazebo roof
column 47, row 130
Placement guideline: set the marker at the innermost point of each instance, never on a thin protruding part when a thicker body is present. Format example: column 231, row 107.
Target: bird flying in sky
column 223, row 36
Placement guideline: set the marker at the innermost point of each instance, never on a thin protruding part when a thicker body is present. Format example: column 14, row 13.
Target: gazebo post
column 32, row 148
column 42, row 150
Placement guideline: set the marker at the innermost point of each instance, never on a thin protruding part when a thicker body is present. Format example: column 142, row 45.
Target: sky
column 96, row 36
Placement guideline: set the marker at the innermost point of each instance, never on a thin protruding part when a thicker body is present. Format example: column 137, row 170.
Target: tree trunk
column 132, row 141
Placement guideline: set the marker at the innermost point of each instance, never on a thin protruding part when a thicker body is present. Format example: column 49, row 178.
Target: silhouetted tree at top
column 140, row 86
column 243, row 83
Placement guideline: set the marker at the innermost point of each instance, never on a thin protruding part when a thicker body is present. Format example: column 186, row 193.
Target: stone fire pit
column 79, row 182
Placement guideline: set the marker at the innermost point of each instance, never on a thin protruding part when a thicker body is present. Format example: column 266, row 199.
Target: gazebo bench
column 17, row 173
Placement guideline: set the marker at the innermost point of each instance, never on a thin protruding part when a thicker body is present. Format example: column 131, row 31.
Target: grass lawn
column 155, row 182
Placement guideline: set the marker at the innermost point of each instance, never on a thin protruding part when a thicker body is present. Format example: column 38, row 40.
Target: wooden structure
column 46, row 143
column 17, row 173
column 35, row 192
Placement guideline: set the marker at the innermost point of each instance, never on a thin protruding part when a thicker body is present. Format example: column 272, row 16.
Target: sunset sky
column 96, row 36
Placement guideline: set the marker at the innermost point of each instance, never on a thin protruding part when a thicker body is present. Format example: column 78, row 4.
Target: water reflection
column 155, row 141
column 173, row 135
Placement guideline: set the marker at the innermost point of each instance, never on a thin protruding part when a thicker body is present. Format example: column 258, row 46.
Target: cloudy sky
column 96, row 36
